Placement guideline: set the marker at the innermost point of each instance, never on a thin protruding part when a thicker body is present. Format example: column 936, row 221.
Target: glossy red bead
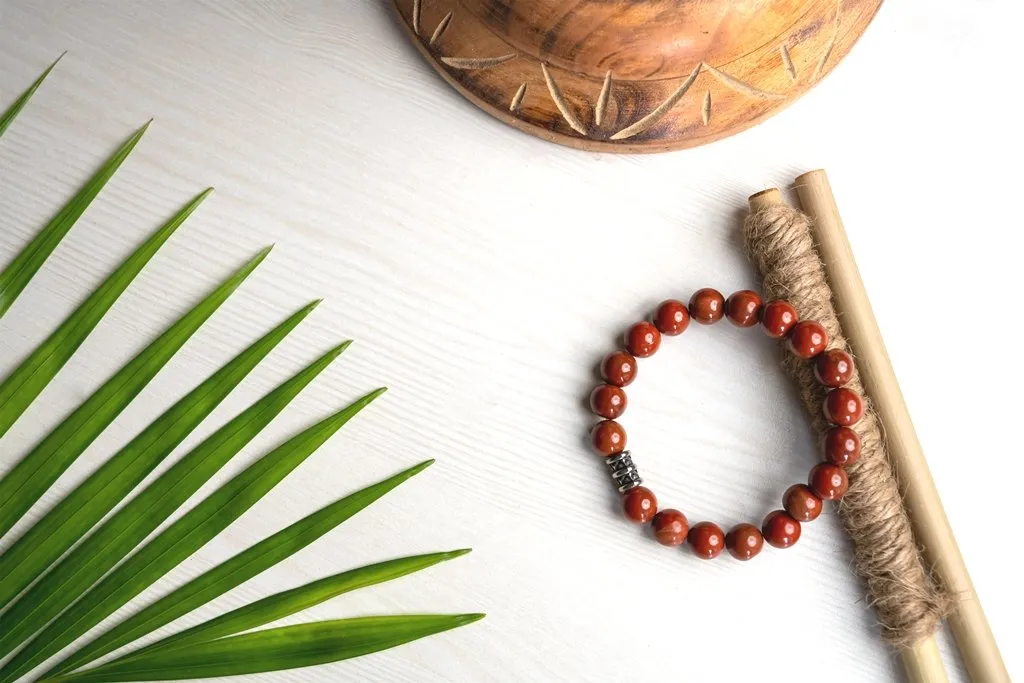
column 619, row 368
column 707, row 306
column 801, row 503
column 744, row 541
column 843, row 407
column 608, row 438
column 707, row 540
column 672, row 317
column 780, row 529
column 807, row 339
column 834, row 368
column 828, row 481
column 842, row 446
column 743, row 308
column 670, row 527
column 643, row 339
column 639, row 504
column 778, row 318
column 608, row 401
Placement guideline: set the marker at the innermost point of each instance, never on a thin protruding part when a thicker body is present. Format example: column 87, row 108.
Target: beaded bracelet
column 801, row 502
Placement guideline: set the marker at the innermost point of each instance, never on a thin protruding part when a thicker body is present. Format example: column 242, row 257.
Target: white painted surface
column 483, row 273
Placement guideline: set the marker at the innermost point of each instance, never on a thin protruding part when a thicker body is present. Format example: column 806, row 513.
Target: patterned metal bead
column 623, row 471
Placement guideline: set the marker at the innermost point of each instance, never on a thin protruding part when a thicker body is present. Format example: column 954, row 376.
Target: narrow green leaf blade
column 286, row 603
column 30, row 478
column 236, row 570
column 12, row 112
column 277, row 649
column 194, row 530
column 22, row 386
column 122, row 532
column 18, row 272
column 84, row 507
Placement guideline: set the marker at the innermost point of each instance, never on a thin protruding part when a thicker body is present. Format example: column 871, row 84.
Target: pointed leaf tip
column 259, row 257
column 6, row 117
column 52, row 65
column 340, row 348
column 465, row 619
column 416, row 469
column 452, row 554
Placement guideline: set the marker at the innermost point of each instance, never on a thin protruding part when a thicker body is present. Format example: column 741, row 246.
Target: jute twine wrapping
column 909, row 604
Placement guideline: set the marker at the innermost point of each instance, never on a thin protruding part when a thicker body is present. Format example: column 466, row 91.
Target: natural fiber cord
column 909, row 604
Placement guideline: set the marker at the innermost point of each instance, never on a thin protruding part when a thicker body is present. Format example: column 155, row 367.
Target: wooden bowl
column 629, row 75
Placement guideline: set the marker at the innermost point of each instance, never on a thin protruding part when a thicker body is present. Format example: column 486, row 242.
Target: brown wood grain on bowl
column 626, row 76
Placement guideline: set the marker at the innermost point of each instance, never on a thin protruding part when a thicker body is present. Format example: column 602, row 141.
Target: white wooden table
column 483, row 273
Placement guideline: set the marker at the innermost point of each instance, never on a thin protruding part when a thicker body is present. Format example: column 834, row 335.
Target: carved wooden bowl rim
column 652, row 130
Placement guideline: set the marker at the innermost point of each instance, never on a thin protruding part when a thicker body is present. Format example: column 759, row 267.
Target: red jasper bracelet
column 833, row 368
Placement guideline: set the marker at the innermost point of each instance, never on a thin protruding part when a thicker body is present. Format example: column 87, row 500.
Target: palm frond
column 286, row 603
column 235, row 571
column 287, row 647
column 84, row 558
column 194, row 530
column 20, row 271
column 86, row 505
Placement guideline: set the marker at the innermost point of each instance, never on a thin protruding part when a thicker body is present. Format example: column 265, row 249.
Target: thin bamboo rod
column 970, row 628
column 921, row 661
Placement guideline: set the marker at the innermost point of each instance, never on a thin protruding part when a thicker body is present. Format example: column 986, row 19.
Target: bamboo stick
column 921, row 661
column 970, row 628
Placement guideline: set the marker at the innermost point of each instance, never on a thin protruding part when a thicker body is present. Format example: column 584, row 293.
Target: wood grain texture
column 752, row 54
column 483, row 273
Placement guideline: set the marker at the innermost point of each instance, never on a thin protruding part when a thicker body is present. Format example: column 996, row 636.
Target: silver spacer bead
column 623, row 471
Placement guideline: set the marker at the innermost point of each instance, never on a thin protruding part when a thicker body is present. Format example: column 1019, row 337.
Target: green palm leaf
column 24, row 266
column 81, row 509
column 105, row 547
column 27, row 380
column 30, row 478
column 73, row 568
column 286, row 603
column 235, row 570
column 288, row 647
column 19, row 104
column 179, row 541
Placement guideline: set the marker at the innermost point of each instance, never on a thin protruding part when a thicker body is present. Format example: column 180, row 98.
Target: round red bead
column 834, row 368
column 619, row 368
column 828, row 481
column 608, row 401
column 707, row 306
column 778, row 318
column 843, row 407
column 643, row 339
column 807, row 339
column 780, row 530
column 743, row 308
column 801, row 503
column 608, row 438
column 670, row 527
column 672, row 317
column 842, row 446
column 744, row 541
column 640, row 504
column 707, row 540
